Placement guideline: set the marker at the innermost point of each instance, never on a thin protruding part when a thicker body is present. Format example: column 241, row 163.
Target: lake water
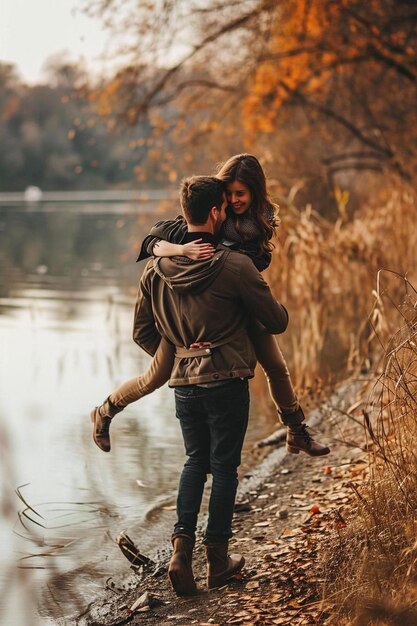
column 68, row 280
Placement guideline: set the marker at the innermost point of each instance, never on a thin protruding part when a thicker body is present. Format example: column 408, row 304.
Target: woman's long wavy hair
column 246, row 169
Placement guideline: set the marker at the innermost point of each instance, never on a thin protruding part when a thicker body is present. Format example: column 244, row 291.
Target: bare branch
column 226, row 28
column 400, row 67
column 297, row 95
column 209, row 84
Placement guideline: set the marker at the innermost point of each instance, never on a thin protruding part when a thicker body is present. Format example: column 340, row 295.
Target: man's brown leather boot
column 298, row 438
column 101, row 416
column 220, row 565
column 180, row 569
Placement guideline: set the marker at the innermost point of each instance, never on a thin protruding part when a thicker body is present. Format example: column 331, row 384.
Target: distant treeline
column 51, row 137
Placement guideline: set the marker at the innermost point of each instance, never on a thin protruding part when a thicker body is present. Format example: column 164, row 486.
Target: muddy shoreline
column 275, row 500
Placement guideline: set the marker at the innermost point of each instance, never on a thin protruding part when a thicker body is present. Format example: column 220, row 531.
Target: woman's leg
column 276, row 371
column 156, row 375
column 283, row 394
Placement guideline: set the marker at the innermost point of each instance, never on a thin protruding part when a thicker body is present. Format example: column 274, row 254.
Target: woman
column 249, row 227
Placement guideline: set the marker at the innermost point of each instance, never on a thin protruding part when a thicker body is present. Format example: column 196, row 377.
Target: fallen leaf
column 282, row 552
column 141, row 603
column 337, row 496
column 252, row 584
column 276, row 597
column 287, row 533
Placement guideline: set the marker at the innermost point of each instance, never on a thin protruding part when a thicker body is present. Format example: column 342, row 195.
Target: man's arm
column 259, row 301
column 145, row 333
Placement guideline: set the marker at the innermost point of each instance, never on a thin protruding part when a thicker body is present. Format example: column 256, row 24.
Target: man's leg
column 196, row 435
column 227, row 410
column 190, row 490
column 227, row 414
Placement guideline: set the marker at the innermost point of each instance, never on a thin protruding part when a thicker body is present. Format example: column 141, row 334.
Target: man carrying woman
column 250, row 224
column 202, row 309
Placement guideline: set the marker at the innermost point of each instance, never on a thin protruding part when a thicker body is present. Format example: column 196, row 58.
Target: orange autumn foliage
column 268, row 76
column 315, row 42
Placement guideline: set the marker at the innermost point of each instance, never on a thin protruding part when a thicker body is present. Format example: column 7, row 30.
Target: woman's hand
column 197, row 251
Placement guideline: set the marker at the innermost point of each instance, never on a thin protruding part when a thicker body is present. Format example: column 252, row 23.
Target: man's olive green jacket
column 205, row 301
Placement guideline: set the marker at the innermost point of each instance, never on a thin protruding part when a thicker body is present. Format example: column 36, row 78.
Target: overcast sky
column 32, row 30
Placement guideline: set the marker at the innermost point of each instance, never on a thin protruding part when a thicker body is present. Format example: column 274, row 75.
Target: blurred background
column 104, row 106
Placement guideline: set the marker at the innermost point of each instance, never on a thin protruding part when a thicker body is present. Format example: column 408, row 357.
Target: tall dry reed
column 371, row 566
column 325, row 273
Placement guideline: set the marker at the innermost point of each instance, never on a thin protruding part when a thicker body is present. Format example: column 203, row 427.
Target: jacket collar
column 206, row 237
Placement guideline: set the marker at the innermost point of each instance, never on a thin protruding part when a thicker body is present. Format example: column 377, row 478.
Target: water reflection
column 66, row 296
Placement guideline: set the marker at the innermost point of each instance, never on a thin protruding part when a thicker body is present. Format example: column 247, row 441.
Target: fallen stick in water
column 131, row 552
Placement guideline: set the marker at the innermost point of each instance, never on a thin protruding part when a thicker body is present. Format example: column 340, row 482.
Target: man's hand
column 197, row 251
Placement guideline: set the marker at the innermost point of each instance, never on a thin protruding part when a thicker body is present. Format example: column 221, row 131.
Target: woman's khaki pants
column 268, row 354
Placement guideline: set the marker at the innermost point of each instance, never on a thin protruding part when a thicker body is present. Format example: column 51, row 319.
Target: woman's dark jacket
column 175, row 231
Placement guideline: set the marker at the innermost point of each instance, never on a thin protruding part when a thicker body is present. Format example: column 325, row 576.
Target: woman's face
column 239, row 197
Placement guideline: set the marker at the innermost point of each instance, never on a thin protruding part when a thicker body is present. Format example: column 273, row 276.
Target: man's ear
column 213, row 212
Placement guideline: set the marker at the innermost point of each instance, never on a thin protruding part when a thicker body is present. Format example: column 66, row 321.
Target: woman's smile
column 239, row 197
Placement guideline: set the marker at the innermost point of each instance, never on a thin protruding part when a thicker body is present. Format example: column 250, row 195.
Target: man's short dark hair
column 199, row 194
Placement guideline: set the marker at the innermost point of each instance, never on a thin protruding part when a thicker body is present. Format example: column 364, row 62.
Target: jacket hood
column 184, row 275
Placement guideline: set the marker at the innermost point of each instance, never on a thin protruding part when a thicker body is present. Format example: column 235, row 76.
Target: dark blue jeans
column 213, row 423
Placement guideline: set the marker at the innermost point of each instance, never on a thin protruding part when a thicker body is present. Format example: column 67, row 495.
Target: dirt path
column 286, row 510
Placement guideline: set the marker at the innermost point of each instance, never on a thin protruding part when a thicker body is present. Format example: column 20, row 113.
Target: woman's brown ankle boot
column 298, row 437
column 101, row 416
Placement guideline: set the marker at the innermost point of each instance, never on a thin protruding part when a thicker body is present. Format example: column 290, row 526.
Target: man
column 206, row 304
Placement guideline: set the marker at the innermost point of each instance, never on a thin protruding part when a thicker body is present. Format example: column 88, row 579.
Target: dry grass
column 330, row 276
column 325, row 274
column 377, row 552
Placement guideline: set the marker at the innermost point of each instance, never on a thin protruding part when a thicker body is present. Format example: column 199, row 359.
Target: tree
column 53, row 138
column 261, row 74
